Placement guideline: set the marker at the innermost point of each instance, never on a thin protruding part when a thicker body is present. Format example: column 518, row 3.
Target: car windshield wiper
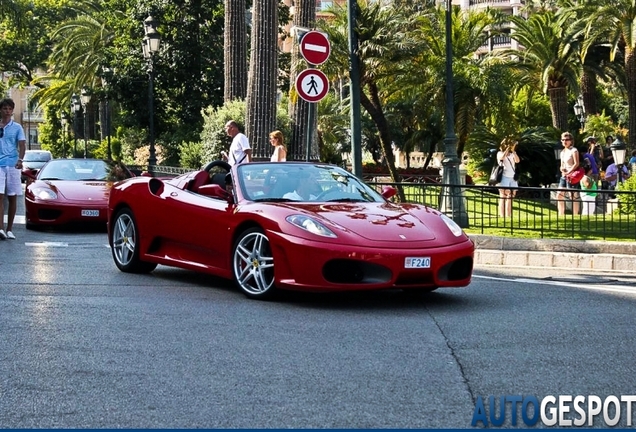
column 274, row 200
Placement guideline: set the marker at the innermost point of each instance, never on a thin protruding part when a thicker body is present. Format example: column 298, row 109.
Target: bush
column 213, row 137
column 191, row 155
column 628, row 201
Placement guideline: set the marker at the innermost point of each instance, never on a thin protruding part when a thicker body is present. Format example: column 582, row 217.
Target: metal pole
column 108, row 150
column 85, row 132
column 75, row 125
column 28, row 121
column 311, row 113
column 452, row 200
column 354, row 89
column 152, row 159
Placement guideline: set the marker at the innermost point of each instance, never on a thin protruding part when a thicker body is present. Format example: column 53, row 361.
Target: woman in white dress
column 507, row 156
column 280, row 151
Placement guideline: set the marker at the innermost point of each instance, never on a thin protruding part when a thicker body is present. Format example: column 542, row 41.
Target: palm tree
column 262, row 77
column 548, row 60
column 235, row 51
column 385, row 41
column 614, row 21
column 304, row 16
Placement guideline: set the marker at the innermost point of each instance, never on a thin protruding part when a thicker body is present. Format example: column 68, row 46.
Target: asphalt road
column 83, row 345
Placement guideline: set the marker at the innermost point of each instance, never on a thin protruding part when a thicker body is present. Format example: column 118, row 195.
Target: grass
column 533, row 216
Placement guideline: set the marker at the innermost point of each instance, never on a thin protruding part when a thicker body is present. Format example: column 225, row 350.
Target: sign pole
column 310, row 129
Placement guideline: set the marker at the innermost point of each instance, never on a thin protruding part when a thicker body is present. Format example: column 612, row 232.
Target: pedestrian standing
column 589, row 187
column 240, row 150
column 280, row 151
column 12, row 148
column 507, row 156
column 569, row 163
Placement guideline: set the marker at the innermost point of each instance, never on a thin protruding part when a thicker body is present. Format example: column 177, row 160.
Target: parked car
column 71, row 190
column 34, row 160
column 297, row 226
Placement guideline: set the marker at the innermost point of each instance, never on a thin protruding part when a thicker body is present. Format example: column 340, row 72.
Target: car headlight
column 44, row 193
column 455, row 229
column 311, row 225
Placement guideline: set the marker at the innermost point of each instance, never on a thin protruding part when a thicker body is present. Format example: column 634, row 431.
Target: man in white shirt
column 240, row 150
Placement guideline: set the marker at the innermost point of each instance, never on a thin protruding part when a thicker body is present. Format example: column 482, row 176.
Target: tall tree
column 262, row 77
column 549, row 60
column 615, row 21
column 385, row 37
column 235, row 51
column 304, row 17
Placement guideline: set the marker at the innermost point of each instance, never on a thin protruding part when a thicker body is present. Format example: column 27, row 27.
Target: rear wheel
column 124, row 243
column 253, row 264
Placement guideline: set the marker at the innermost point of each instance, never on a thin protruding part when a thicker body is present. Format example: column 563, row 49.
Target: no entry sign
column 312, row 85
column 315, row 47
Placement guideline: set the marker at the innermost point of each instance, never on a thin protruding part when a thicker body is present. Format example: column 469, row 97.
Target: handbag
column 496, row 174
column 575, row 176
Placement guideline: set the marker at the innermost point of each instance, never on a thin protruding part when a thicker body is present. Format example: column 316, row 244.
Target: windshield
column 83, row 170
column 37, row 156
column 305, row 182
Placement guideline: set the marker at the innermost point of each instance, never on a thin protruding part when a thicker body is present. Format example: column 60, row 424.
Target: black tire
column 124, row 244
column 253, row 264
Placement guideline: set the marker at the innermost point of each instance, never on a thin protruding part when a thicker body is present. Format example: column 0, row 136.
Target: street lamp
column 150, row 46
column 107, row 74
column 86, row 98
column 619, row 149
column 579, row 110
column 451, row 199
column 64, row 122
column 76, row 107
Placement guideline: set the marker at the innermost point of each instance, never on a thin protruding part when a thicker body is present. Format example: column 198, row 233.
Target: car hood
column 81, row 190
column 373, row 221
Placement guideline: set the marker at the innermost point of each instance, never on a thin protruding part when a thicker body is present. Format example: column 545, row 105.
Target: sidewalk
column 595, row 255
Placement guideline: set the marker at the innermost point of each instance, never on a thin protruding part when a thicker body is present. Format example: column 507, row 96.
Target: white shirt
column 239, row 144
column 508, row 164
column 296, row 197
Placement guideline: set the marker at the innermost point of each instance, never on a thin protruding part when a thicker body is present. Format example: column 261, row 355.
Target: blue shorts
column 564, row 183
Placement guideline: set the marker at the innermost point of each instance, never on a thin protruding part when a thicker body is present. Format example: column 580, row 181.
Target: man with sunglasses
column 12, row 148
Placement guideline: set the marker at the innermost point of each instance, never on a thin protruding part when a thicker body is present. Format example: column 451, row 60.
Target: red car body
column 348, row 238
column 66, row 191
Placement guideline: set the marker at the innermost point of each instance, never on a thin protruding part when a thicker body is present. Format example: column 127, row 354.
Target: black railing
column 534, row 211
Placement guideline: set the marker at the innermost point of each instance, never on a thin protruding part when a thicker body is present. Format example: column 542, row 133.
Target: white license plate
column 417, row 262
column 90, row 213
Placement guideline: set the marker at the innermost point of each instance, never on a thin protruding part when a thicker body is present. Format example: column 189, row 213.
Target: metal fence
column 534, row 211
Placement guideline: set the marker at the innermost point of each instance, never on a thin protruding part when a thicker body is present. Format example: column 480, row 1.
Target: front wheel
column 124, row 244
column 253, row 264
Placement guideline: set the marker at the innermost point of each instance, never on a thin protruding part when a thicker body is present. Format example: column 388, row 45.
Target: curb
column 592, row 255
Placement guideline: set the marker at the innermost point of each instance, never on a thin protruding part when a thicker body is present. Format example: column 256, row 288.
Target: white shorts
column 508, row 182
column 10, row 181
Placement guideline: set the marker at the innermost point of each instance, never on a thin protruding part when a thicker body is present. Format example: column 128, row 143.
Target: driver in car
column 305, row 186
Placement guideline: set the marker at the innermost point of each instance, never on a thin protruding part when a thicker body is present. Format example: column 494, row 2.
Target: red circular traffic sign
column 312, row 85
column 315, row 47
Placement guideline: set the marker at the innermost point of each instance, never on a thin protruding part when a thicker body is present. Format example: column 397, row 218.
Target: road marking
column 17, row 220
column 46, row 244
column 623, row 289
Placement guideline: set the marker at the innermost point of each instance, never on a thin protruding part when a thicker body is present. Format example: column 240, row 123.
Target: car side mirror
column 388, row 192
column 29, row 173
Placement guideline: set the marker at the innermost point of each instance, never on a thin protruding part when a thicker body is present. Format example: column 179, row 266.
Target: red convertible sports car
column 70, row 190
column 285, row 225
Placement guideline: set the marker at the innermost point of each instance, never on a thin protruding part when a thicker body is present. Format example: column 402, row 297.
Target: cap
column 590, row 138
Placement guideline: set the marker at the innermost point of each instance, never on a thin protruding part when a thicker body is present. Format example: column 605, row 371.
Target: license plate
column 90, row 213
column 417, row 262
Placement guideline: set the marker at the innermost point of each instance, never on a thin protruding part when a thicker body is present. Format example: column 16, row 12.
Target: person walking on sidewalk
column 240, row 150
column 12, row 148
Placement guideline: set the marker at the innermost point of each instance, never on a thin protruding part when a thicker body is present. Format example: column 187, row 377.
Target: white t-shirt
column 239, row 144
column 274, row 157
column 508, row 164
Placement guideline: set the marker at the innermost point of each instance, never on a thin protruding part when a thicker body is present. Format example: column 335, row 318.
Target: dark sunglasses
column 566, row 139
